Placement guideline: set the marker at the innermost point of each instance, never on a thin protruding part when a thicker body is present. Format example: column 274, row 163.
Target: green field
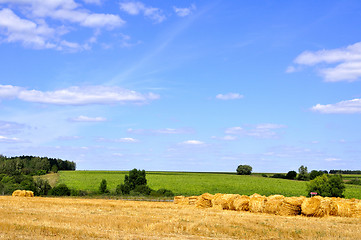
column 189, row 183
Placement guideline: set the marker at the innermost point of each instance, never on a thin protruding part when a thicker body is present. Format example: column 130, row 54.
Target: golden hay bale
column 179, row 200
column 257, row 203
column 19, row 193
column 291, row 206
column 357, row 209
column 192, row 200
column 273, row 204
column 316, row 206
column 343, row 207
column 205, row 200
column 29, row 194
column 218, row 202
column 229, row 199
column 241, row 203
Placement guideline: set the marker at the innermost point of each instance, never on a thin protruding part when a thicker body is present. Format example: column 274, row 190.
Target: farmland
column 191, row 183
column 59, row 218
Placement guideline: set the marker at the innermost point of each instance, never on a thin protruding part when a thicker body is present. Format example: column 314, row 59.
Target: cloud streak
column 77, row 95
column 135, row 8
column 266, row 130
column 229, row 96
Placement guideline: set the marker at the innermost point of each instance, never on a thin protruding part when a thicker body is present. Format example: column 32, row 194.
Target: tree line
column 31, row 165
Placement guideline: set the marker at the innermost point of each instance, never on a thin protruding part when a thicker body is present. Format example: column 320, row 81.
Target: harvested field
column 68, row 218
column 277, row 204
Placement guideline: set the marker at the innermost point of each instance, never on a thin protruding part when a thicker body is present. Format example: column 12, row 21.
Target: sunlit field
column 59, row 218
column 191, row 183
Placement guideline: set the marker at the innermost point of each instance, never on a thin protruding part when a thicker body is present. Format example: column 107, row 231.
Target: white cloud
column 267, row 130
column 88, row 119
column 135, row 8
column 229, row 138
column 161, row 131
column 229, row 96
column 31, row 28
column 347, row 60
column 7, row 128
column 348, row 106
column 193, row 142
column 4, row 139
column 77, row 95
column 25, row 31
column 234, row 130
column 183, row 12
column 332, row 159
column 122, row 140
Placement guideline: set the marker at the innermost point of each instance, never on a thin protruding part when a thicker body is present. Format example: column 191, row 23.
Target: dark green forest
column 17, row 173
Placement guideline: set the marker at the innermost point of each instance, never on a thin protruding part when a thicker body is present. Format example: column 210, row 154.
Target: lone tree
column 244, row 170
column 327, row 186
column 103, row 186
column 303, row 173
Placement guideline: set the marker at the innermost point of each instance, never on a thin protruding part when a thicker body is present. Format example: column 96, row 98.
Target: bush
column 42, row 187
column 278, row 175
column 75, row 192
column 135, row 178
column 103, row 187
column 355, row 181
column 327, row 186
column 141, row 190
column 315, row 173
column 162, row 192
column 264, row 175
column 244, row 170
column 291, row 175
column 60, row 190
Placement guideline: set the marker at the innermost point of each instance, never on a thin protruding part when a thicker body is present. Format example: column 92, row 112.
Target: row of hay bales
column 276, row 204
column 22, row 193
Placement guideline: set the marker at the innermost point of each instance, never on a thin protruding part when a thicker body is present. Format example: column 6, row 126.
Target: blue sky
column 182, row 85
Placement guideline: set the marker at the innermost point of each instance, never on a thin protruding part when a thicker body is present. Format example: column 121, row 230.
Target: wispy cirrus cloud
column 119, row 140
column 88, row 119
column 8, row 128
column 229, row 96
column 343, row 107
column 77, row 95
column 183, row 12
column 267, row 130
column 161, row 131
column 344, row 64
column 4, row 139
column 135, row 8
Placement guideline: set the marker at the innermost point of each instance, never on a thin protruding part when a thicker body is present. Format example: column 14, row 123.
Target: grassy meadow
column 191, row 183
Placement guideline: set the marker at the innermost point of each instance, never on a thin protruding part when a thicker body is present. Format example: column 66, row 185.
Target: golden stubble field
column 70, row 218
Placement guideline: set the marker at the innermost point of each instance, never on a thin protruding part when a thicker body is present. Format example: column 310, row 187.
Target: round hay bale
column 229, row 199
column 29, row 194
column 291, row 206
column 325, row 208
column 204, row 200
column 19, row 193
column 257, row 203
column 218, row 202
column 311, row 205
column 273, row 204
column 316, row 206
column 343, row 207
column 241, row 203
